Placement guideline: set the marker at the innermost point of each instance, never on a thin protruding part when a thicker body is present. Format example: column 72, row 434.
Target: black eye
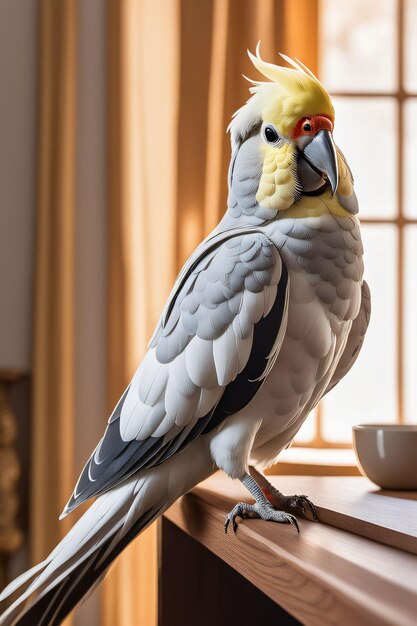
column 307, row 127
column 271, row 134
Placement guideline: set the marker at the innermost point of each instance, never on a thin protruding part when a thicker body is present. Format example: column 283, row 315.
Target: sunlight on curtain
column 143, row 86
column 52, row 476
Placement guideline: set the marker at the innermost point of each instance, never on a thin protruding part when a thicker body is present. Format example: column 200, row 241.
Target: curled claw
column 270, row 505
column 293, row 520
column 302, row 502
column 298, row 504
column 312, row 508
column 242, row 510
column 227, row 523
column 261, row 511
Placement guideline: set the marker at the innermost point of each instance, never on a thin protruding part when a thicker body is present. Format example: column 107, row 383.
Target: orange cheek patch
column 317, row 122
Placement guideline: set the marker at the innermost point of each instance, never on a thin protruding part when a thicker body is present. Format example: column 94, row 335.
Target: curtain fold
column 53, row 381
column 173, row 81
column 143, row 112
column 52, row 476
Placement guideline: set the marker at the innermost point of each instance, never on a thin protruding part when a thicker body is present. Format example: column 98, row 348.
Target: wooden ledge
column 300, row 461
column 324, row 575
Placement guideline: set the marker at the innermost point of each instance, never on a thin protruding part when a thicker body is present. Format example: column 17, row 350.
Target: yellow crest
column 293, row 93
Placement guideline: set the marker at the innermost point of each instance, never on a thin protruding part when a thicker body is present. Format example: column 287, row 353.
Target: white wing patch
column 227, row 299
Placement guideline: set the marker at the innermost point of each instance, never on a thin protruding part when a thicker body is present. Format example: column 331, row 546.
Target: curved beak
column 321, row 154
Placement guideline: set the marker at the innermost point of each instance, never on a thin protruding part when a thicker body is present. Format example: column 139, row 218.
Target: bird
column 267, row 315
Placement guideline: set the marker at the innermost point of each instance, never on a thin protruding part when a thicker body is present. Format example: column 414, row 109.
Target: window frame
column 400, row 221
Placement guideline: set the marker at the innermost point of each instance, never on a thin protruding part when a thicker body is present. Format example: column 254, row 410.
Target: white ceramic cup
column 387, row 454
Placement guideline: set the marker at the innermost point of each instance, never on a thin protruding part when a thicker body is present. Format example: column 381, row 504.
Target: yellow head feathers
column 293, row 93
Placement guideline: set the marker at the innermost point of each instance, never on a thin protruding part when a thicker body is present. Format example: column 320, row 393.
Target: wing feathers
column 149, row 424
column 179, row 376
column 244, row 347
column 179, row 408
column 152, row 381
column 226, row 357
column 199, row 361
column 205, row 345
column 270, row 293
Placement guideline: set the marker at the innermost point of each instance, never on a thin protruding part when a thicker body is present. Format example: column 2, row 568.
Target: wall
column 18, row 41
column 18, row 96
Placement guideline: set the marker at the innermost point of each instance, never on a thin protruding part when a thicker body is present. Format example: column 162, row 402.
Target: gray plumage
column 267, row 315
column 201, row 347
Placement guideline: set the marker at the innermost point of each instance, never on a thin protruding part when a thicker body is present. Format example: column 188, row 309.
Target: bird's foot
column 259, row 510
column 299, row 505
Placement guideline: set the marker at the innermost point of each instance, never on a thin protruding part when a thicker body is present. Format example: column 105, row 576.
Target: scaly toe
column 261, row 511
column 307, row 502
column 272, row 515
column 243, row 510
column 297, row 504
column 302, row 503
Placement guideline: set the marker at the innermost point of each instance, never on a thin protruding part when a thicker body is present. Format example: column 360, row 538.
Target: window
column 367, row 49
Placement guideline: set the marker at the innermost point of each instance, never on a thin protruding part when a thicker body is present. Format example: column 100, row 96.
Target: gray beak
column 320, row 153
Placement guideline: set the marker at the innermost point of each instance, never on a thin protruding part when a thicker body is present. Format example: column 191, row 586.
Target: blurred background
column 113, row 166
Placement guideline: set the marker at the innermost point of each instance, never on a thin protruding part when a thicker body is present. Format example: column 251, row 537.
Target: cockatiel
column 266, row 316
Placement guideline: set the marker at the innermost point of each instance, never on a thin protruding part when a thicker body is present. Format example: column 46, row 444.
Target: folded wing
column 220, row 334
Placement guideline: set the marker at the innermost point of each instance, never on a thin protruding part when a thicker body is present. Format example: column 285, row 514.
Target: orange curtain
column 173, row 81
column 52, row 473
column 53, row 380
column 143, row 109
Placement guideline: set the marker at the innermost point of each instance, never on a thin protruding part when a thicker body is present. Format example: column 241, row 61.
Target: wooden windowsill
column 303, row 461
column 324, row 575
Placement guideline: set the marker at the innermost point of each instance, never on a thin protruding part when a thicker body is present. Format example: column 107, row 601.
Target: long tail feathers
column 82, row 558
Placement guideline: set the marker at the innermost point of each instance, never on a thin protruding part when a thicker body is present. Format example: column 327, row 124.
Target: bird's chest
column 314, row 340
column 323, row 254
column 325, row 271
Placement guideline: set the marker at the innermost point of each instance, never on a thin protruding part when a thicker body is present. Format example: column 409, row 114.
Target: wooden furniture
column 324, row 575
column 11, row 537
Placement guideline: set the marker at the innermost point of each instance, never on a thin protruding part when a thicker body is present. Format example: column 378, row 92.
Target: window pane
column 365, row 131
column 368, row 392
column 410, row 157
column 410, row 326
column 410, row 45
column 358, row 45
column 307, row 431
